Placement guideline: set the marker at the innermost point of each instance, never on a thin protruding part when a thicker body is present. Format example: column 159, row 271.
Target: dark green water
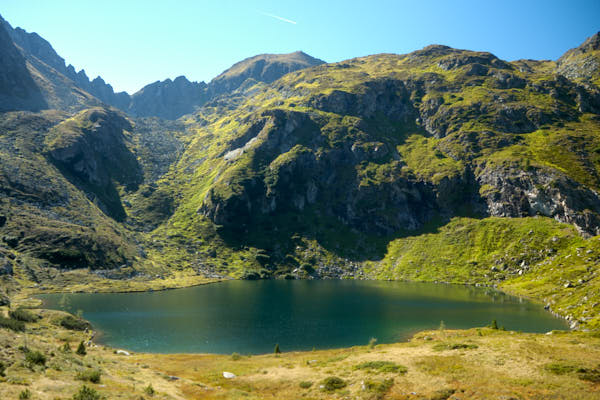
column 251, row 316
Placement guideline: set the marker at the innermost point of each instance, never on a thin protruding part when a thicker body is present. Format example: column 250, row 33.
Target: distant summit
column 262, row 68
column 18, row 90
column 582, row 62
column 172, row 99
column 58, row 85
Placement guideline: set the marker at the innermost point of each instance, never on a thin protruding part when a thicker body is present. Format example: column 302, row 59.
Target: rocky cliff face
column 91, row 149
column 353, row 157
column 37, row 49
column 172, row 99
column 582, row 62
column 168, row 99
column 513, row 192
column 18, row 90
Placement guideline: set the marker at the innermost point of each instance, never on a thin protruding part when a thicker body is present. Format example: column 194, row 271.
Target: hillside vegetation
column 440, row 165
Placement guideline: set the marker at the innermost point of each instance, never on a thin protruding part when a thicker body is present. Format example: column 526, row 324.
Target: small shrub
column 2, row 368
column 12, row 324
column 333, row 383
column 454, row 346
column 305, row 384
column 23, row 315
column 75, row 324
column 25, row 394
column 149, row 390
column 372, row 342
column 443, row 394
column 81, row 349
column 35, row 357
column 86, row 393
column 379, row 387
column 66, row 348
column 235, row 356
column 560, row 369
column 589, row 374
column 277, row 350
column 494, row 324
column 382, row 366
column 91, row 375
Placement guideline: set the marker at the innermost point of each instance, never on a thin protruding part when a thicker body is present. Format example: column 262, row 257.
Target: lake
column 250, row 317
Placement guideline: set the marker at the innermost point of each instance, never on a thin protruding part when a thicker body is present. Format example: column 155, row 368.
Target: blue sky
column 131, row 43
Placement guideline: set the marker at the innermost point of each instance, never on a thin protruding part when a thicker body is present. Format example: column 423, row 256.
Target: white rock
column 228, row 375
column 123, row 352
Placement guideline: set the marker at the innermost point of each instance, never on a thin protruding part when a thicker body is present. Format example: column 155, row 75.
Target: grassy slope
column 535, row 257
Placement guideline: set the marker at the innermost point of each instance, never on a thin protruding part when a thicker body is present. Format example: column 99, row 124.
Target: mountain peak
column 582, row 62
column 590, row 44
column 262, row 68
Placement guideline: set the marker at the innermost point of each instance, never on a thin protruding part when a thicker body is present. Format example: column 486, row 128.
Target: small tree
column 149, row 390
column 372, row 342
column 81, row 349
column 277, row 350
column 86, row 393
column 494, row 324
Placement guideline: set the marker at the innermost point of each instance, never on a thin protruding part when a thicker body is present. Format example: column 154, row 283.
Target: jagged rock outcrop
column 38, row 50
column 512, row 192
column 91, row 148
column 172, row 99
column 582, row 62
column 351, row 167
column 168, row 99
column 18, row 90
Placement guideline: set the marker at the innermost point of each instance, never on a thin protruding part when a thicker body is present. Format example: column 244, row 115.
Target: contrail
column 289, row 21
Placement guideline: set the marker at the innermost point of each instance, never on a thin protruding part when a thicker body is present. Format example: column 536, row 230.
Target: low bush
column 86, row 393
column 12, row 324
column 235, row 356
column 149, row 390
column 23, row 315
column 333, row 383
column 2, row 368
column 25, row 394
column 382, row 366
column 454, row 346
column 589, row 374
column 443, row 394
column 372, row 342
column 305, row 384
column 560, row 369
column 91, row 375
column 35, row 357
column 74, row 323
column 379, row 387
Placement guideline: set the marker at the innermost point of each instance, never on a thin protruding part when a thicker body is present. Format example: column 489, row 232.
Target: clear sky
column 131, row 43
